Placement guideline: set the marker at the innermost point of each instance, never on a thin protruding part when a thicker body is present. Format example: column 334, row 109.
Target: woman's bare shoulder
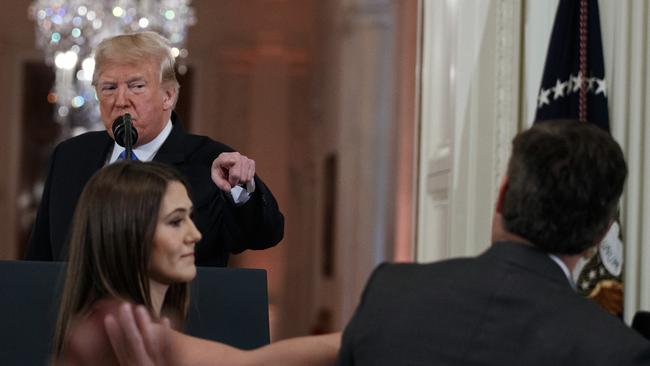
column 87, row 342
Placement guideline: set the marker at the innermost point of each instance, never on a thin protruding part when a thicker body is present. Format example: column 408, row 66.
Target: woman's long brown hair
column 110, row 243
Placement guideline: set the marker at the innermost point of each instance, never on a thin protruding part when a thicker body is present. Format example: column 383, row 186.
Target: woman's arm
column 137, row 340
column 320, row 350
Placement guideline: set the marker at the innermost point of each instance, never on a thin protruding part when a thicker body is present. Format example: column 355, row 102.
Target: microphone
column 125, row 134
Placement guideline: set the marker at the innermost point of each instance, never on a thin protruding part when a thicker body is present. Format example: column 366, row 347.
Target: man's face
column 137, row 90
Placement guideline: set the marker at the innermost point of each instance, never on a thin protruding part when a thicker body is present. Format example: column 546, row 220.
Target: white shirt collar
column 147, row 151
column 564, row 268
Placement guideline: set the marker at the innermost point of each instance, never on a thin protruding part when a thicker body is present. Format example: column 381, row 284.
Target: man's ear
column 169, row 97
column 503, row 188
column 602, row 236
column 591, row 251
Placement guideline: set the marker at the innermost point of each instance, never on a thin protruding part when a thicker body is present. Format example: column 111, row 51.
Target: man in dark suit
column 233, row 208
column 515, row 304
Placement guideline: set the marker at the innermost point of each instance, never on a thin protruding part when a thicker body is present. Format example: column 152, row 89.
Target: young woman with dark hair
column 132, row 239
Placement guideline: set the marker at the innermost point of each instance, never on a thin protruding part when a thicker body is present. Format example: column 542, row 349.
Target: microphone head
column 123, row 131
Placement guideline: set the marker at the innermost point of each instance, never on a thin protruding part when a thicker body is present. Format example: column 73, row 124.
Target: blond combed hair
column 136, row 48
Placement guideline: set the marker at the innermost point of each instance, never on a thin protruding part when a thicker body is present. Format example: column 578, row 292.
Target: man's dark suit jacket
column 510, row 306
column 226, row 228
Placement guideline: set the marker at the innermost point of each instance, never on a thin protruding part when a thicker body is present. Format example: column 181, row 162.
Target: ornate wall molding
column 477, row 113
column 507, row 82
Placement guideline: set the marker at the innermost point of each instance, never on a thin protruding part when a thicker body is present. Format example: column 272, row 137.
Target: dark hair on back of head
column 564, row 182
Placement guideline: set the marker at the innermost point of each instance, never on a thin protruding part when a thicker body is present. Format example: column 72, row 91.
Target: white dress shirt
column 564, row 268
column 147, row 151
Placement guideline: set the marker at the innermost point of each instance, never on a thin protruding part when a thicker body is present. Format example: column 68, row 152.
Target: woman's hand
column 136, row 339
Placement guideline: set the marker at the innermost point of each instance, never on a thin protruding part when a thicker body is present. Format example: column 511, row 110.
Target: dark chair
column 641, row 323
column 226, row 305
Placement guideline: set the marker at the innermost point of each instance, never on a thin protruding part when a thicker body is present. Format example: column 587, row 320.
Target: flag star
column 558, row 89
column 543, row 97
column 577, row 82
column 592, row 274
column 602, row 87
column 591, row 82
column 585, row 285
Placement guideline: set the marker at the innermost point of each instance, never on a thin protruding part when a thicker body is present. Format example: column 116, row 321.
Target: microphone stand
column 125, row 134
column 128, row 130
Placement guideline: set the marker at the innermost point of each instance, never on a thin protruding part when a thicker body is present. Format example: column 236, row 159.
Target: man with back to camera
column 134, row 74
column 515, row 304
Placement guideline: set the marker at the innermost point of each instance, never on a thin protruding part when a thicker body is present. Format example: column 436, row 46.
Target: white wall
column 470, row 111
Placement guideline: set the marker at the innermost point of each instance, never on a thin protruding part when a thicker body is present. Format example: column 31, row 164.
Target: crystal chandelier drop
column 68, row 31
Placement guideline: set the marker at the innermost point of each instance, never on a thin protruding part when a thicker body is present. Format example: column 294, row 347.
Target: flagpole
column 582, row 101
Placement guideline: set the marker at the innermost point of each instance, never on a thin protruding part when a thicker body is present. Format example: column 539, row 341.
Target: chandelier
column 69, row 30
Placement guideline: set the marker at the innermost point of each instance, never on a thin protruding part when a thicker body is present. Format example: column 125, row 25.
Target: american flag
column 573, row 87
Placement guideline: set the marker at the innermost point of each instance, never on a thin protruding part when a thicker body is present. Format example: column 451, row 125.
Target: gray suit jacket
column 512, row 305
